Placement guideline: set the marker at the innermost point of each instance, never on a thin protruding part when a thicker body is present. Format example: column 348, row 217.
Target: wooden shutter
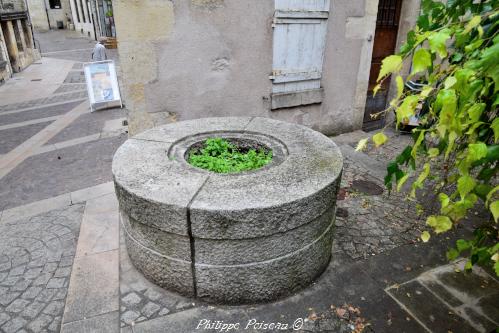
column 300, row 28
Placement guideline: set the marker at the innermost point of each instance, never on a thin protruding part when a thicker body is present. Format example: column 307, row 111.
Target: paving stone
column 14, row 325
column 164, row 312
column 33, row 309
column 21, row 285
column 55, row 325
column 131, row 299
column 7, row 298
column 63, row 272
column 46, row 294
column 3, row 318
column 423, row 305
column 56, row 283
column 17, row 306
column 31, row 292
column 105, row 323
column 129, row 317
column 150, row 309
column 54, row 308
column 40, row 323
column 32, row 272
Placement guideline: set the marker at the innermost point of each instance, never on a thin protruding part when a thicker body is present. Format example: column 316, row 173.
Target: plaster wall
column 202, row 58
column 38, row 15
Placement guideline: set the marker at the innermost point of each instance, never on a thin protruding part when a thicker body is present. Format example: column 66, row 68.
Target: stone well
column 229, row 238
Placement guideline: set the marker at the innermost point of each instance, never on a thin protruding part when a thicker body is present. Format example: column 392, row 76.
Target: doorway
column 385, row 41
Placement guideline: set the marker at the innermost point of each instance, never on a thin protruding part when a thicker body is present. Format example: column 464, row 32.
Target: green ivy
column 221, row 156
column 454, row 50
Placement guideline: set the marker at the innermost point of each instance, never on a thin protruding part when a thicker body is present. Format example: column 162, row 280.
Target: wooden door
column 385, row 41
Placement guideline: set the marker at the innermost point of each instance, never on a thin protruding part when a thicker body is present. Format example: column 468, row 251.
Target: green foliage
column 455, row 53
column 221, row 156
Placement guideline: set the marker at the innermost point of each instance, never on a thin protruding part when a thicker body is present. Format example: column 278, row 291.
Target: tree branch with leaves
column 454, row 51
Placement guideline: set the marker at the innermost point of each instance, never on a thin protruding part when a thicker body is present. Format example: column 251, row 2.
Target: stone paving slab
column 87, row 124
column 57, row 172
column 36, row 255
column 43, row 101
column 71, row 87
column 11, row 138
column 94, row 287
column 38, row 113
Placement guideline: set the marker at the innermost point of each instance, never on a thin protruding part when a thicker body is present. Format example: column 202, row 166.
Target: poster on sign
column 102, row 85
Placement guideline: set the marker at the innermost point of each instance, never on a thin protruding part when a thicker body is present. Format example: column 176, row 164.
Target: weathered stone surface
column 153, row 189
column 169, row 273
column 266, row 280
column 251, row 250
column 165, row 243
column 173, row 132
column 273, row 200
column 255, row 235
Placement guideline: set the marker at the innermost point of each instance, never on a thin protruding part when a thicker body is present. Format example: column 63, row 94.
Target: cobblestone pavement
column 36, row 256
column 369, row 220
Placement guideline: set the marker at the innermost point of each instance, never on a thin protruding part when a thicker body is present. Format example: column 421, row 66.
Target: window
column 55, row 4
column 300, row 28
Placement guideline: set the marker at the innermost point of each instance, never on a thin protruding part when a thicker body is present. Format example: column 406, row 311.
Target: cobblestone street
column 64, row 266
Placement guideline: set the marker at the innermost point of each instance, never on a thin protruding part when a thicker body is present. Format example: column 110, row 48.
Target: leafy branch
column 454, row 51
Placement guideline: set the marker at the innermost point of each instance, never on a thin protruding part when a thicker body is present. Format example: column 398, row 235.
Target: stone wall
column 202, row 58
column 12, row 6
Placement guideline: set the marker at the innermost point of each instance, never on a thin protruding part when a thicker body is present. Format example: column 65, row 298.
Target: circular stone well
column 235, row 238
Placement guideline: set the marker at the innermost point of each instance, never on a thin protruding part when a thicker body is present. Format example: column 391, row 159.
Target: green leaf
column 400, row 86
column 421, row 178
column 421, row 61
column 495, row 128
column 389, row 65
column 379, row 139
column 433, row 152
column 476, row 151
column 462, row 245
column 406, row 109
column 473, row 23
column 376, row 89
column 402, row 181
column 465, row 184
column 475, row 111
column 438, row 42
column 491, row 193
column 361, row 145
column 452, row 254
column 439, row 223
column 494, row 208
column 425, row 236
column 468, row 266
column 496, row 268
column 444, row 199
column 449, row 82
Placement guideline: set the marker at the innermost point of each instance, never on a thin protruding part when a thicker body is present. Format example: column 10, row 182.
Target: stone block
column 262, row 281
column 169, row 273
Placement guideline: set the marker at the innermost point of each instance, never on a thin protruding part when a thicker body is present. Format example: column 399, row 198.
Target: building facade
column 93, row 18
column 303, row 61
column 16, row 40
column 50, row 14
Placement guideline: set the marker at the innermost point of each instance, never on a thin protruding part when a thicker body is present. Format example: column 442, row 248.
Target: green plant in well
column 455, row 52
column 221, row 156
